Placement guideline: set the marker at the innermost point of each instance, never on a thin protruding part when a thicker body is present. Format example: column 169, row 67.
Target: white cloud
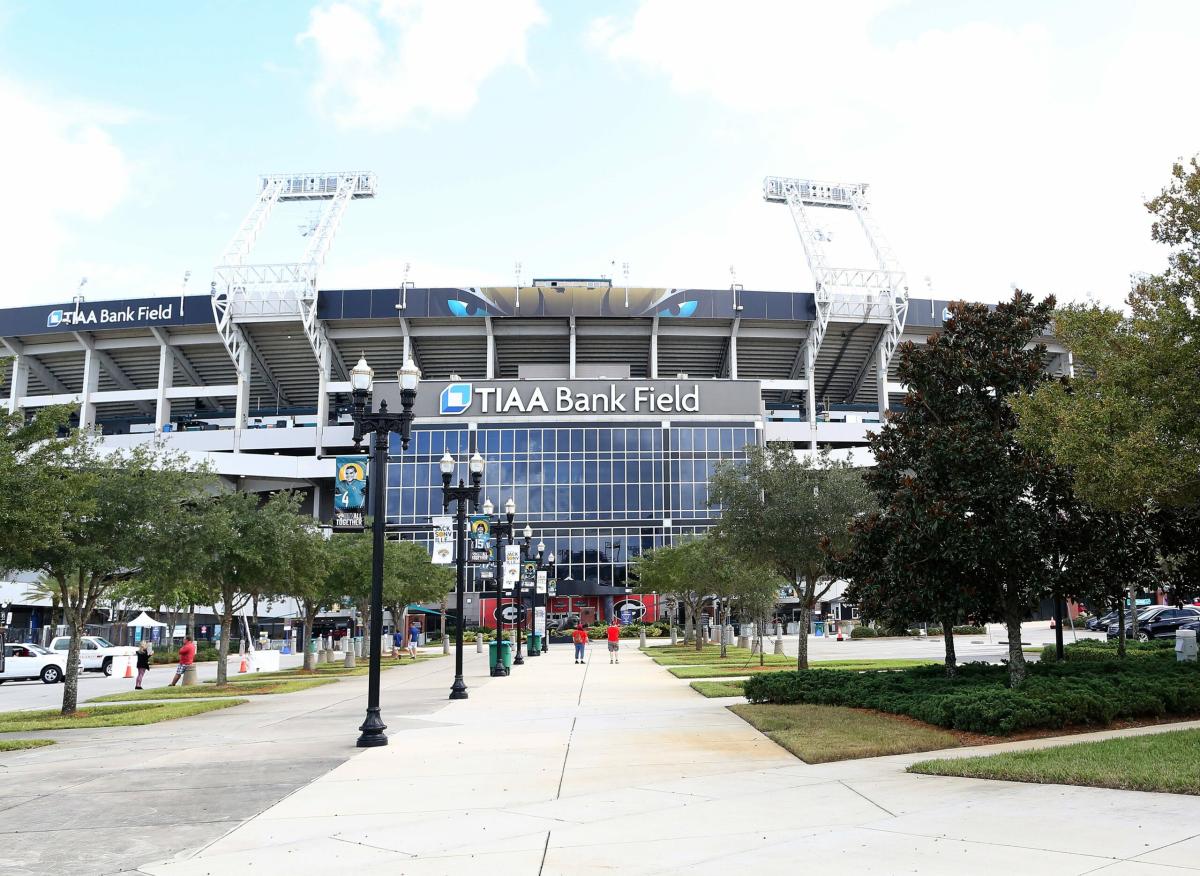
column 393, row 62
column 64, row 171
column 997, row 153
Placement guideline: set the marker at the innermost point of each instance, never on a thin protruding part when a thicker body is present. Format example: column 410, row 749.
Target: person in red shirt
column 579, row 636
column 614, row 641
column 187, row 656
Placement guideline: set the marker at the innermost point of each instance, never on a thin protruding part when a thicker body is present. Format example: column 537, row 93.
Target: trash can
column 535, row 643
column 818, row 628
column 507, row 654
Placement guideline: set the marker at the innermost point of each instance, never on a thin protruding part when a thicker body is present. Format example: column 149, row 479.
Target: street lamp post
column 382, row 423
column 462, row 494
column 548, row 567
column 504, row 529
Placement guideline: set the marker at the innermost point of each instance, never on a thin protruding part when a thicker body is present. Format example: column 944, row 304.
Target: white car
column 95, row 653
column 26, row 662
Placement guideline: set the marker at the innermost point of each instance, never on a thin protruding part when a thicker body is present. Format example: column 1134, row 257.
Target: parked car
column 95, row 653
column 28, row 662
column 1102, row 622
column 1157, row 622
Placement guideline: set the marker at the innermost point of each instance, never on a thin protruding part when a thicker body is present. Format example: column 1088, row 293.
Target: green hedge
column 863, row 633
column 1096, row 650
column 979, row 700
column 204, row 651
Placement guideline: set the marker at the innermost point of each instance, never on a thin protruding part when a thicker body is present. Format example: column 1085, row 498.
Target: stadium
column 601, row 408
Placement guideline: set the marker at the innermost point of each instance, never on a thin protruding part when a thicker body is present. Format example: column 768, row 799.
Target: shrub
column 1095, row 650
column 979, row 700
column 862, row 632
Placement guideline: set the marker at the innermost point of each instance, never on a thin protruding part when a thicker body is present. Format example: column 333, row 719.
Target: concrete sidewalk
column 565, row 769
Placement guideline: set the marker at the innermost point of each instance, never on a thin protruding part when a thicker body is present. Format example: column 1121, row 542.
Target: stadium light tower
column 856, row 293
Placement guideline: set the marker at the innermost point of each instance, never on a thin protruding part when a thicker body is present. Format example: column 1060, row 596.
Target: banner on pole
column 443, row 541
column 479, row 540
column 541, row 582
column 350, row 493
column 528, row 574
column 539, row 620
column 512, row 565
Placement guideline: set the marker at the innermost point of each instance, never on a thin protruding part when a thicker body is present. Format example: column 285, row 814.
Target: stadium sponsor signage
column 589, row 397
column 96, row 315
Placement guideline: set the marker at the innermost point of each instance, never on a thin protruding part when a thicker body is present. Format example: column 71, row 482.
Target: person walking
column 580, row 637
column 143, row 663
column 414, row 636
column 614, row 641
column 187, row 656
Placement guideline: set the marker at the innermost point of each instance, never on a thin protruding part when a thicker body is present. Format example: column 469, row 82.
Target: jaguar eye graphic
column 463, row 308
column 680, row 308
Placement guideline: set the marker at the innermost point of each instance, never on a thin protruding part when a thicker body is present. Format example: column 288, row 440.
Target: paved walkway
column 565, row 769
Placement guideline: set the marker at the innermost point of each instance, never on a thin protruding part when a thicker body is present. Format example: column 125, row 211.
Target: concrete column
column 323, row 368
column 654, row 350
column 571, row 366
column 881, row 393
column 20, row 382
column 490, row 372
column 810, row 394
column 91, row 381
column 166, row 378
column 242, row 408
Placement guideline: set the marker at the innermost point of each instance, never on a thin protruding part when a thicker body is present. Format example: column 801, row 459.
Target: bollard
column 754, row 645
column 358, row 646
column 1185, row 646
column 642, row 636
column 674, row 636
column 189, row 675
column 479, row 644
column 778, row 644
column 743, row 641
column 310, row 661
column 349, row 658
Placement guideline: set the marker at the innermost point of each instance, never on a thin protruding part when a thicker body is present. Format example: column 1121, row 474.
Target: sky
column 1005, row 144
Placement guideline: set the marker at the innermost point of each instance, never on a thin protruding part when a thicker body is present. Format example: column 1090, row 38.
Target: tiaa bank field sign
column 583, row 398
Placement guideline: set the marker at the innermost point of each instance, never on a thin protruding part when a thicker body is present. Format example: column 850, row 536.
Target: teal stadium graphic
column 350, row 487
column 455, row 398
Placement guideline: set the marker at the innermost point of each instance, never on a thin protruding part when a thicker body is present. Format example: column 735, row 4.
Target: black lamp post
column 526, row 556
column 382, row 423
column 504, row 536
column 548, row 567
column 462, row 494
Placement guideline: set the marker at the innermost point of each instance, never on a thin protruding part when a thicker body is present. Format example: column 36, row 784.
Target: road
column 35, row 695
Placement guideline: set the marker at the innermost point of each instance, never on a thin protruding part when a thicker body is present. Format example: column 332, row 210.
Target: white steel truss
column 853, row 294
column 248, row 293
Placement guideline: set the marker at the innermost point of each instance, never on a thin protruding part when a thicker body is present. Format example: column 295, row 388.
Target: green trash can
column 535, row 642
column 507, row 654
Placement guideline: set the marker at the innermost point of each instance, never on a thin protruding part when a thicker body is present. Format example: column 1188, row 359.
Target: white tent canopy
column 144, row 620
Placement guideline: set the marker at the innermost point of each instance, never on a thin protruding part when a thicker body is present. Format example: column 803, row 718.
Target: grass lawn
column 1154, row 762
column 724, row 670
column 719, row 688
column 819, row 734
column 107, row 716
column 18, row 744
column 238, row 689
column 712, row 655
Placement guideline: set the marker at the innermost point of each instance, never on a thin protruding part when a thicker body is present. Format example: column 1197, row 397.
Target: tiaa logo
column 455, row 398
column 54, row 318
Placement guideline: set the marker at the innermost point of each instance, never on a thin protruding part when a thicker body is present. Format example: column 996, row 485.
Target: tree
column 245, row 550
column 677, row 571
column 1128, row 423
column 415, row 579
column 734, row 580
column 778, row 510
column 963, row 526
column 121, row 514
column 310, row 585
column 31, row 504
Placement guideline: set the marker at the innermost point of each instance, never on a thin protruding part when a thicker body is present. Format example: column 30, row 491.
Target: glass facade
column 598, row 495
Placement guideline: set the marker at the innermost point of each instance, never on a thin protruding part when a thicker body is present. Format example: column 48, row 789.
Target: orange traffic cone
column 243, row 667
column 128, row 669
column 839, row 638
